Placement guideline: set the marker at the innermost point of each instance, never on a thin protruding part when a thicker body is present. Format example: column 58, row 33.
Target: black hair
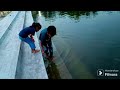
column 36, row 25
column 52, row 30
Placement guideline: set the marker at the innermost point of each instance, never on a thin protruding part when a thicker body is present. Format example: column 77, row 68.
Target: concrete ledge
column 9, row 48
column 30, row 66
column 6, row 22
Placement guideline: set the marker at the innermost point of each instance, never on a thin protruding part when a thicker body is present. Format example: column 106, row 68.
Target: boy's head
column 51, row 31
column 37, row 26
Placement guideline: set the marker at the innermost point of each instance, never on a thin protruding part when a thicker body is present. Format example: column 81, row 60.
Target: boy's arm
column 50, row 48
column 51, row 57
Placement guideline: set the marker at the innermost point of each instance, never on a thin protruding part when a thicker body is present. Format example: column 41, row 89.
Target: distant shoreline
column 3, row 14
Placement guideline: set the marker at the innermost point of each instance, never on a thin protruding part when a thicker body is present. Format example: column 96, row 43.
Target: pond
column 86, row 41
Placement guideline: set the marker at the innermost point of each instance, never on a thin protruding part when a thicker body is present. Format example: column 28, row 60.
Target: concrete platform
column 6, row 22
column 30, row 66
column 9, row 48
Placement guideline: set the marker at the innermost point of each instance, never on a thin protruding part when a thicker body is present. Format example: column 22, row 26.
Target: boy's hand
column 51, row 58
column 31, row 36
column 33, row 39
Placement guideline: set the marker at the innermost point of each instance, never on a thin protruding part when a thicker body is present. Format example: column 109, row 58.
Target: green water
column 86, row 41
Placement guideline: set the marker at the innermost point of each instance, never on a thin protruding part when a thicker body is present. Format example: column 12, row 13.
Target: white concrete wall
column 9, row 48
column 5, row 22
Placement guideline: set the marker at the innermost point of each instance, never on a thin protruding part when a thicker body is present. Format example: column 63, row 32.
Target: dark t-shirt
column 26, row 31
column 44, row 37
column 46, row 41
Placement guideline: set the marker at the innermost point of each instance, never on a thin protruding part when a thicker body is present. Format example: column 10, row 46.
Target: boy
column 45, row 39
column 27, row 34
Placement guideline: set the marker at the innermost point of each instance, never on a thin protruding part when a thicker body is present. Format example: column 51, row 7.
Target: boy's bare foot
column 35, row 51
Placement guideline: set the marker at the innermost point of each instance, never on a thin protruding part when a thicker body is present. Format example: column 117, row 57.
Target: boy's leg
column 30, row 42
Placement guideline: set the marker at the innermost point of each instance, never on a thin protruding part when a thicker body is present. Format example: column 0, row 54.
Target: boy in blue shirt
column 27, row 34
column 45, row 39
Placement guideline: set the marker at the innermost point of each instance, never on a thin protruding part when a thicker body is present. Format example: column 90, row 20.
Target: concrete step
column 9, row 48
column 5, row 23
column 30, row 66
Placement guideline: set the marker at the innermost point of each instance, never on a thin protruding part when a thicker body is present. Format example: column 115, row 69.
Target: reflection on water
column 34, row 14
column 75, row 15
column 91, row 43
